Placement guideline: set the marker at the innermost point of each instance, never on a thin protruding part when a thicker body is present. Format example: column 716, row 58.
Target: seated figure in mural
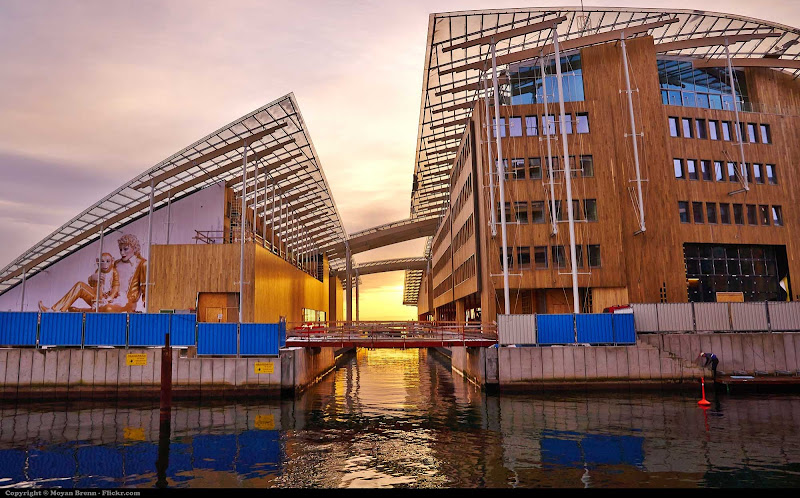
column 102, row 287
column 132, row 270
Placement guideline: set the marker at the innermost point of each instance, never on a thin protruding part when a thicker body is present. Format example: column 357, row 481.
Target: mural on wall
column 112, row 278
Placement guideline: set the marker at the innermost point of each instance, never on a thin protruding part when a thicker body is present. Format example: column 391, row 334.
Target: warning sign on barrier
column 265, row 422
column 137, row 359
column 264, row 367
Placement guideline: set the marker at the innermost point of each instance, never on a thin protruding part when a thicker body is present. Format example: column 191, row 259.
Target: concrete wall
column 302, row 367
column 479, row 365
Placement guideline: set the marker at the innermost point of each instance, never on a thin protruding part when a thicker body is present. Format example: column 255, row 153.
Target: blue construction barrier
column 259, row 339
column 148, row 329
column 183, row 329
column 216, row 338
column 594, row 328
column 18, row 329
column 624, row 330
column 61, row 329
column 105, row 329
column 555, row 329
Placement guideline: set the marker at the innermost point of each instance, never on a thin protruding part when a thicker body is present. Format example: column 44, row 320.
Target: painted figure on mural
column 132, row 270
column 90, row 292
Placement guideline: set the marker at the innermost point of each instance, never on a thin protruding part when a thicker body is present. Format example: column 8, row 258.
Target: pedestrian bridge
column 401, row 335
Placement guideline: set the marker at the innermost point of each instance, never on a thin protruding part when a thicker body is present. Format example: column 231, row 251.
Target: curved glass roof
column 279, row 148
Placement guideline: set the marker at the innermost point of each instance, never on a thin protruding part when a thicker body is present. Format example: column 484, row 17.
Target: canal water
column 392, row 418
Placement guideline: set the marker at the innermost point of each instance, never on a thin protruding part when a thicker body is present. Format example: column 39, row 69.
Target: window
column 752, row 217
column 771, row 175
column 777, row 216
column 700, row 126
column 502, row 124
column 556, row 173
column 738, row 214
column 686, row 124
column 711, row 212
column 532, row 126
column 697, row 212
column 521, row 212
column 705, row 168
column 678, row 165
column 582, row 120
column 732, row 172
column 559, row 256
column 726, row 130
column 568, row 124
column 517, row 170
column 587, row 166
column 683, row 211
column 673, row 127
column 593, row 254
column 766, row 136
column 576, row 210
column 764, row 215
column 751, row 133
column 540, row 257
column 713, row 126
column 691, row 169
column 523, row 258
column 578, row 256
column 744, row 169
column 590, row 207
column 508, row 211
column 757, row 173
column 537, row 212
column 509, row 258
column 718, row 174
column 549, row 124
column 535, row 168
column 725, row 214
column 515, row 126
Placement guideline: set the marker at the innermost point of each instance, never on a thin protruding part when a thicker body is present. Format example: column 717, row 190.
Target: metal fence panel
column 594, row 328
column 148, row 329
column 749, row 316
column 18, row 328
column 555, row 329
column 216, row 338
column 645, row 317
column 105, row 329
column 259, row 338
column 784, row 316
column 675, row 317
column 61, row 329
column 623, row 325
column 282, row 326
column 712, row 317
column 183, row 329
column 516, row 329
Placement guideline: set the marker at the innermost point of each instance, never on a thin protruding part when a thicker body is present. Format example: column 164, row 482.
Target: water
column 390, row 418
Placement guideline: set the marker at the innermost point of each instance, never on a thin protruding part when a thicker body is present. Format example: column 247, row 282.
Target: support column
column 357, row 296
column 633, row 136
column 149, row 249
column 501, row 180
column 349, row 287
column 242, row 220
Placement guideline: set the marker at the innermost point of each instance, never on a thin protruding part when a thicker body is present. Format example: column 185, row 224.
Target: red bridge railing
column 390, row 334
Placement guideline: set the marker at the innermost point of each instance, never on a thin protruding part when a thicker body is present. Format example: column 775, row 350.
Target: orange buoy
column 704, row 401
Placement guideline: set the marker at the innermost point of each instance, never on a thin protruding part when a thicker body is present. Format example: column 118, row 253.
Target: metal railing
column 763, row 316
column 391, row 334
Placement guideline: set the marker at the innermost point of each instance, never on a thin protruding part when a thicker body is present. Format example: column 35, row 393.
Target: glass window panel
column 515, row 126
column 559, row 256
column 587, row 166
column 777, row 216
column 540, row 256
column 715, row 101
column 771, row 174
column 535, row 171
column 532, row 125
column 712, row 130
column 751, row 133
column 591, row 209
column 523, row 258
column 594, row 256
column 752, row 216
column 582, row 122
column 757, row 173
column 502, row 124
column 764, row 215
column 549, row 124
column 711, row 212
column 725, row 214
column 691, row 169
column 700, row 127
column 673, row 127
column 687, row 127
column 732, row 172
column 568, row 124
column 726, row 130
column 537, row 212
column 718, row 173
column 521, row 212
column 678, row 166
column 766, row 138
column 705, row 168
column 738, row 214
column 697, row 212
column 683, row 211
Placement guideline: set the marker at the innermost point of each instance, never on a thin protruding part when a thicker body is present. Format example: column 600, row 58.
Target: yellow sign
column 134, row 433
column 264, row 367
column 730, row 297
column 265, row 422
column 138, row 359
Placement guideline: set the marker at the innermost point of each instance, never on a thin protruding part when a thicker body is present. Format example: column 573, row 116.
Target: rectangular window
column 711, row 212
column 568, row 124
column 576, row 210
column 582, row 123
column 683, row 211
column 537, row 212
column 559, row 256
column 732, row 172
column 713, row 127
column 590, row 207
column 687, row 127
column 752, row 217
column 764, row 215
column 766, row 136
column 509, row 258
column 523, row 258
column 535, row 168
column 744, row 170
column 697, row 212
column 517, row 171
column 757, row 173
column 532, row 126
column 578, row 256
column 587, row 166
column 691, row 169
column 718, row 173
column 593, row 254
column 673, row 127
column 705, row 169
column 540, row 257
column 725, row 214
column 777, row 216
column 556, row 172
column 508, row 211
column 678, row 165
column 502, row 127
column 771, row 174
column 751, row 133
column 700, row 126
column 549, row 124
column 561, row 215
column 521, row 212
column 738, row 214
column 726, row 130
column 515, row 126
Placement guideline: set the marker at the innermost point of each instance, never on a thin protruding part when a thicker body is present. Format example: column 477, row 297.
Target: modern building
column 232, row 228
column 647, row 156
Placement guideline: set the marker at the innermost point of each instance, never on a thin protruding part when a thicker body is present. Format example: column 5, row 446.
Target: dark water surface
column 390, row 418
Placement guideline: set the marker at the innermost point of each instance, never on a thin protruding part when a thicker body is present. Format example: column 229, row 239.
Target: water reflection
column 400, row 419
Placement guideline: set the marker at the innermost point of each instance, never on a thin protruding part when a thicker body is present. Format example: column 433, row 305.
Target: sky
column 94, row 92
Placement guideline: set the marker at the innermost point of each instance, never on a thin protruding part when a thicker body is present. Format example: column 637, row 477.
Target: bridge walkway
column 379, row 334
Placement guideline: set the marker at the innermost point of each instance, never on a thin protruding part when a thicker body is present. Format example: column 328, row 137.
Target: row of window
column 464, row 271
column 537, row 168
column 463, row 196
column 546, row 124
column 688, row 168
column 464, row 234
column 682, row 127
column 540, row 208
column 756, row 215
column 546, row 256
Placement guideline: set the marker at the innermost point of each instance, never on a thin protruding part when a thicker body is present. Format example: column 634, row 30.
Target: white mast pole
column 149, row 249
column 22, row 298
column 99, row 259
column 567, row 176
column 546, row 130
column 736, row 111
column 272, row 216
column 242, row 220
column 501, row 179
column 492, row 214
column 169, row 213
column 633, row 134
